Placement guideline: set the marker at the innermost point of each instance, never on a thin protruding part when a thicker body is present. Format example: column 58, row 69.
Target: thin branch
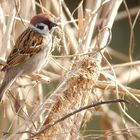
column 77, row 111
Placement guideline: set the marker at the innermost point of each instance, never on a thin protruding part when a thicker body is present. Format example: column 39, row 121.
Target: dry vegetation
column 78, row 74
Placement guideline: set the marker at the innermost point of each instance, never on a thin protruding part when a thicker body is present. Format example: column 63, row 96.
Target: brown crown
column 41, row 18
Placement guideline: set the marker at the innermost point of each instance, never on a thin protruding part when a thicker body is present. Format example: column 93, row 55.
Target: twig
column 77, row 111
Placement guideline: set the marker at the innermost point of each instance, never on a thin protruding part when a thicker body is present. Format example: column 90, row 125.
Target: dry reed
column 74, row 78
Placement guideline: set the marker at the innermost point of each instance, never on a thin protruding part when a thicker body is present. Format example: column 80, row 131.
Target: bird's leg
column 35, row 76
column 39, row 76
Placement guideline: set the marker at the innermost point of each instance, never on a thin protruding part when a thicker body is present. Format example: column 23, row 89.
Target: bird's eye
column 41, row 27
column 51, row 25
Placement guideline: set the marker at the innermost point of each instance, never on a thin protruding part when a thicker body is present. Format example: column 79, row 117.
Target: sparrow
column 30, row 52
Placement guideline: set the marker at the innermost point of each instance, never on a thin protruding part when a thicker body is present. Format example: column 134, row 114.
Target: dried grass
column 76, row 74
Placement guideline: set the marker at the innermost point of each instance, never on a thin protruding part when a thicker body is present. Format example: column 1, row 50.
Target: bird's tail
column 7, row 82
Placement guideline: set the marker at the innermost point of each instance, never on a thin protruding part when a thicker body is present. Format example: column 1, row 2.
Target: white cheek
column 45, row 31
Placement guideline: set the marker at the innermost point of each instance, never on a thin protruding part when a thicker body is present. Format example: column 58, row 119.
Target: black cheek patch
column 40, row 27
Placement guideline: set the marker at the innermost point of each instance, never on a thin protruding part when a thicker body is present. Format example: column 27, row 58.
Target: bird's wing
column 27, row 45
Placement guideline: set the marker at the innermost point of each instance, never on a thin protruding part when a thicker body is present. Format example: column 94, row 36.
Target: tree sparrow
column 30, row 52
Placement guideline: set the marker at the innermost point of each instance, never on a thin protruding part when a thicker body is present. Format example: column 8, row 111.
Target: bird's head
column 42, row 23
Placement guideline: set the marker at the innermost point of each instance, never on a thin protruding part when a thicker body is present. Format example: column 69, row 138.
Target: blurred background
column 123, row 47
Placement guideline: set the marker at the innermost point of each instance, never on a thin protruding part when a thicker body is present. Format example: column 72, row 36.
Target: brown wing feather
column 27, row 45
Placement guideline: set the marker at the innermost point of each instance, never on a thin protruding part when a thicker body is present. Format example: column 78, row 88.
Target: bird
column 30, row 52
